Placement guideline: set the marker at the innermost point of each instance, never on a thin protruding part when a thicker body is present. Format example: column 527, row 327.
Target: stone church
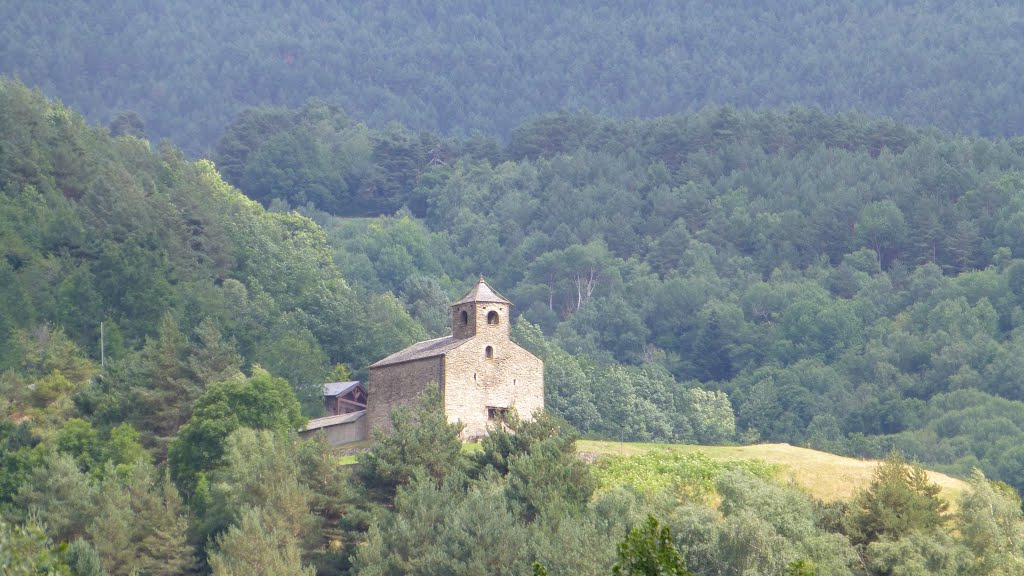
column 480, row 371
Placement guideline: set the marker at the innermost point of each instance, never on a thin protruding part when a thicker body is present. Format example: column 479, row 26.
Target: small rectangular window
column 496, row 413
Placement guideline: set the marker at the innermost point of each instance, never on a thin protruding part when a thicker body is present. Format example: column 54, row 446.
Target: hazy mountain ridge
column 187, row 68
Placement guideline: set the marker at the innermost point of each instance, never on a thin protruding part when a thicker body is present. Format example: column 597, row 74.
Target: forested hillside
column 216, row 315
column 163, row 337
column 191, row 280
column 187, row 68
column 831, row 281
column 719, row 223
column 851, row 284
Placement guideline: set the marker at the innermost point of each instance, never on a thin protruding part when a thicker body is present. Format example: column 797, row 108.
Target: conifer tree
column 899, row 500
column 254, row 548
column 141, row 526
column 648, row 551
column 25, row 551
column 421, row 443
column 163, row 546
column 215, row 359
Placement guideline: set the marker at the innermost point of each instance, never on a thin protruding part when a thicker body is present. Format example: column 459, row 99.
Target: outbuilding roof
column 482, row 292
column 339, row 388
column 421, row 350
column 318, row 423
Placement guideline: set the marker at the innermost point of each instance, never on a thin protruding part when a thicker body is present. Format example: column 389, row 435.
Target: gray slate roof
column 482, row 292
column 339, row 388
column 317, row 423
column 421, row 350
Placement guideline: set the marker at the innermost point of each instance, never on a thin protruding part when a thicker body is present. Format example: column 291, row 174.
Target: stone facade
column 398, row 384
column 476, row 386
column 480, row 371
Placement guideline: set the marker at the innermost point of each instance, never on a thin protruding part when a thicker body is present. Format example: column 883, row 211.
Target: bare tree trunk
column 591, row 282
column 579, row 290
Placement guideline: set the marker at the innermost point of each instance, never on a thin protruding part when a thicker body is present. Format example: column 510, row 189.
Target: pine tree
column 648, row 551
column 164, row 402
column 216, row 358
column 899, row 500
column 162, row 546
column 25, row 550
column 140, row 526
column 254, row 548
column 421, row 443
column 111, row 530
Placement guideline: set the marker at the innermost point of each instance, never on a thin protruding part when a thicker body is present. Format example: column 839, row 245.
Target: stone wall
column 398, row 384
column 465, row 329
column 473, row 382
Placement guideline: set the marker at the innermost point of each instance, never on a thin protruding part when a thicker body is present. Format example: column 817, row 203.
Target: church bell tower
column 480, row 311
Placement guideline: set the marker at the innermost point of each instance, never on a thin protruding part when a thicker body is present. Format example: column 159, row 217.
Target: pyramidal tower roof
column 482, row 292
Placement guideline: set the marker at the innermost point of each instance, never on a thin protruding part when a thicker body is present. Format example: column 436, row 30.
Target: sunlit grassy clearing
column 825, row 476
column 690, row 473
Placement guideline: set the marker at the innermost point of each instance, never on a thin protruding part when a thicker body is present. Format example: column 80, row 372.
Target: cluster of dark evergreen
column 187, row 67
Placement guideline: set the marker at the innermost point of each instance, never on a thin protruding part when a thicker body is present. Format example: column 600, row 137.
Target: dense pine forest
column 186, row 68
column 719, row 224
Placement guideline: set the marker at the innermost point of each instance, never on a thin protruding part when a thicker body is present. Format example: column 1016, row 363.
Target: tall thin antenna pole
column 103, row 352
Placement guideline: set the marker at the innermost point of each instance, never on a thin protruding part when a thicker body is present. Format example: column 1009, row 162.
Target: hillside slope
column 169, row 259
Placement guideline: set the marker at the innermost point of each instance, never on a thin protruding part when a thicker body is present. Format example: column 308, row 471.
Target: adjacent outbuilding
column 340, row 429
column 344, row 397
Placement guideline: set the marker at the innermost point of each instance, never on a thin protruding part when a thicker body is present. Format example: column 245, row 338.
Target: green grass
column 666, row 470
column 825, row 476
column 346, row 454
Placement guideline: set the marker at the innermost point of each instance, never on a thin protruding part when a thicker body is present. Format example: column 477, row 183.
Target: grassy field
column 825, row 476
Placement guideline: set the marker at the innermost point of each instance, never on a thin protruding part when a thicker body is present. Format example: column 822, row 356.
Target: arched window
column 492, row 318
column 464, row 317
column 489, row 352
